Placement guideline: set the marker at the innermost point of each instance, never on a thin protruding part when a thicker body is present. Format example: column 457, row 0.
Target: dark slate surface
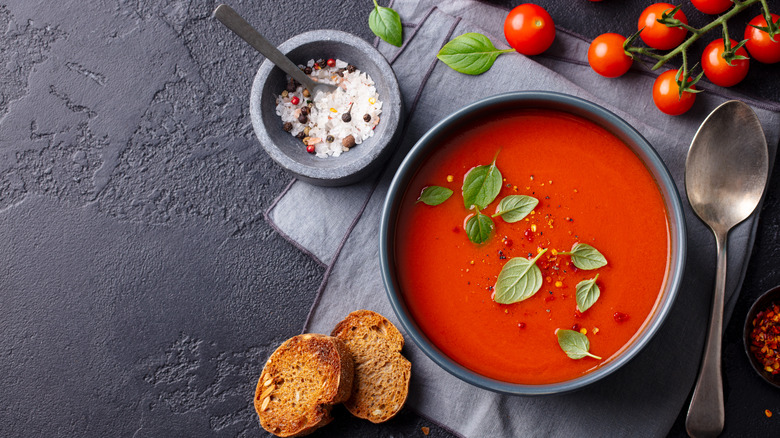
column 140, row 288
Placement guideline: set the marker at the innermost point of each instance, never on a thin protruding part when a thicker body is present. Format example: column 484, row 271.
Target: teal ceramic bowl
column 533, row 100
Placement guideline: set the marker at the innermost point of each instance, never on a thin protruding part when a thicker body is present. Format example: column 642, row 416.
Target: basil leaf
column 386, row 24
column 479, row 227
column 481, row 185
column 434, row 195
column 518, row 280
column 470, row 53
column 515, row 207
column 587, row 293
column 574, row 344
column 586, row 257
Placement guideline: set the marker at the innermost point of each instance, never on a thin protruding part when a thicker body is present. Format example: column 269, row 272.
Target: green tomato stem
column 697, row 33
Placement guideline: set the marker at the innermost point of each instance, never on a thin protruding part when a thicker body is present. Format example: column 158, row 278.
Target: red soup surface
column 591, row 189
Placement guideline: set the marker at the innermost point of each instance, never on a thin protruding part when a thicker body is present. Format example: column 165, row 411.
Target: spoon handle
column 240, row 27
column 706, row 413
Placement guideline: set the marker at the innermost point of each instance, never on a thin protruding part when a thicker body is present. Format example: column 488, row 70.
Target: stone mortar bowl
column 360, row 161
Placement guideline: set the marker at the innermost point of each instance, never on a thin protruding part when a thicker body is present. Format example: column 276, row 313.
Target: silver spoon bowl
column 726, row 173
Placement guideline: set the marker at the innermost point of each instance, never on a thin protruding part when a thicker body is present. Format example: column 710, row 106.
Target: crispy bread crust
column 300, row 383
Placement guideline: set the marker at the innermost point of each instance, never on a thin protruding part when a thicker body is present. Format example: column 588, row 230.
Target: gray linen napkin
column 339, row 227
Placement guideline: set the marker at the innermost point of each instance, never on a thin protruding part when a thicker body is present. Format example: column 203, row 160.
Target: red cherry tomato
column 666, row 94
column 529, row 29
column 712, row 6
column 657, row 35
column 606, row 56
column 760, row 46
column 717, row 70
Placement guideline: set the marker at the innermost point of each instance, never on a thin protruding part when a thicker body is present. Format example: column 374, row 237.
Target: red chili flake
column 577, row 314
column 507, row 242
column 620, row 317
column 768, row 413
column 456, row 230
column 549, row 298
column 765, row 339
column 295, row 100
column 529, row 235
column 521, row 325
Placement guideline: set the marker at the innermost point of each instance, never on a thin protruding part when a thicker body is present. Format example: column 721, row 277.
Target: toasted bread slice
column 300, row 383
column 381, row 372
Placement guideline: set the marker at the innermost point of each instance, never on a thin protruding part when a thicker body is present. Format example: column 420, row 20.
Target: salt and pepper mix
column 331, row 122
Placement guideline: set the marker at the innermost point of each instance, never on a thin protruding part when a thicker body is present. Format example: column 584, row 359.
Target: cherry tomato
column 657, row 35
column 606, row 56
column 529, row 29
column 717, row 70
column 760, row 46
column 666, row 94
column 712, row 6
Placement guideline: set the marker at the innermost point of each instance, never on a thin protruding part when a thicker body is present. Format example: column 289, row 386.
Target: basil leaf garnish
column 481, row 185
column 434, row 195
column 574, row 344
column 518, row 280
column 587, row 293
column 470, row 53
column 586, row 257
column 479, row 227
column 386, row 24
column 515, row 207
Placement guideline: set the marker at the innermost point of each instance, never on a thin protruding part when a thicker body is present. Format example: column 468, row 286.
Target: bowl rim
column 337, row 175
column 764, row 300
column 654, row 164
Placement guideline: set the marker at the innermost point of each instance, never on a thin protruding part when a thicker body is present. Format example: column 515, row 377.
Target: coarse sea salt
column 355, row 95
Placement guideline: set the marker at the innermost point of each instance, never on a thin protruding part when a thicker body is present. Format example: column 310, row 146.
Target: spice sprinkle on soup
column 532, row 247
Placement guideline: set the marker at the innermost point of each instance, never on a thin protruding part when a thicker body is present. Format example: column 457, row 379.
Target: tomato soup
column 592, row 189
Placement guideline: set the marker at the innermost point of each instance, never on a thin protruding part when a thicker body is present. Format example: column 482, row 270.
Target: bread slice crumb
column 382, row 374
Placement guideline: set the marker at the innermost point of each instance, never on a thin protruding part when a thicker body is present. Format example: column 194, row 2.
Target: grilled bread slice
column 300, row 383
column 381, row 372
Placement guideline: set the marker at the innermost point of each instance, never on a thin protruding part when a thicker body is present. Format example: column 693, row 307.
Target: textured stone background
column 140, row 288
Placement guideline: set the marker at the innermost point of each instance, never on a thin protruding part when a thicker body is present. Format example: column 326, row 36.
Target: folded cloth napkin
column 339, row 228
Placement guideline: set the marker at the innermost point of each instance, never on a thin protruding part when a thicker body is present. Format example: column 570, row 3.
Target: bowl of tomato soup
column 532, row 243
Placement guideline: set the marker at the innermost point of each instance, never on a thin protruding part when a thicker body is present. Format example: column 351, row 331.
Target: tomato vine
column 685, row 80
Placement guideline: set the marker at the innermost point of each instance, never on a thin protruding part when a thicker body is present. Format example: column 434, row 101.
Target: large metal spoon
column 230, row 18
column 725, row 175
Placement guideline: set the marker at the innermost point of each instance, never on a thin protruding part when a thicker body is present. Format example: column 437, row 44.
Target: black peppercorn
column 329, row 139
column 287, row 126
column 290, row 86
column 340, row 72
column 347, row 117
column 367, row 118
column 302, row 118
column 300, row 135
column 307, row 70
column 305, row 111
column 351, row 68
column 322, row 63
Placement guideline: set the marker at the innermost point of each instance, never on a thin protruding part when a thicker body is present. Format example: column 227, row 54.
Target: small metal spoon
column 240, row 27
column 725, row 176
